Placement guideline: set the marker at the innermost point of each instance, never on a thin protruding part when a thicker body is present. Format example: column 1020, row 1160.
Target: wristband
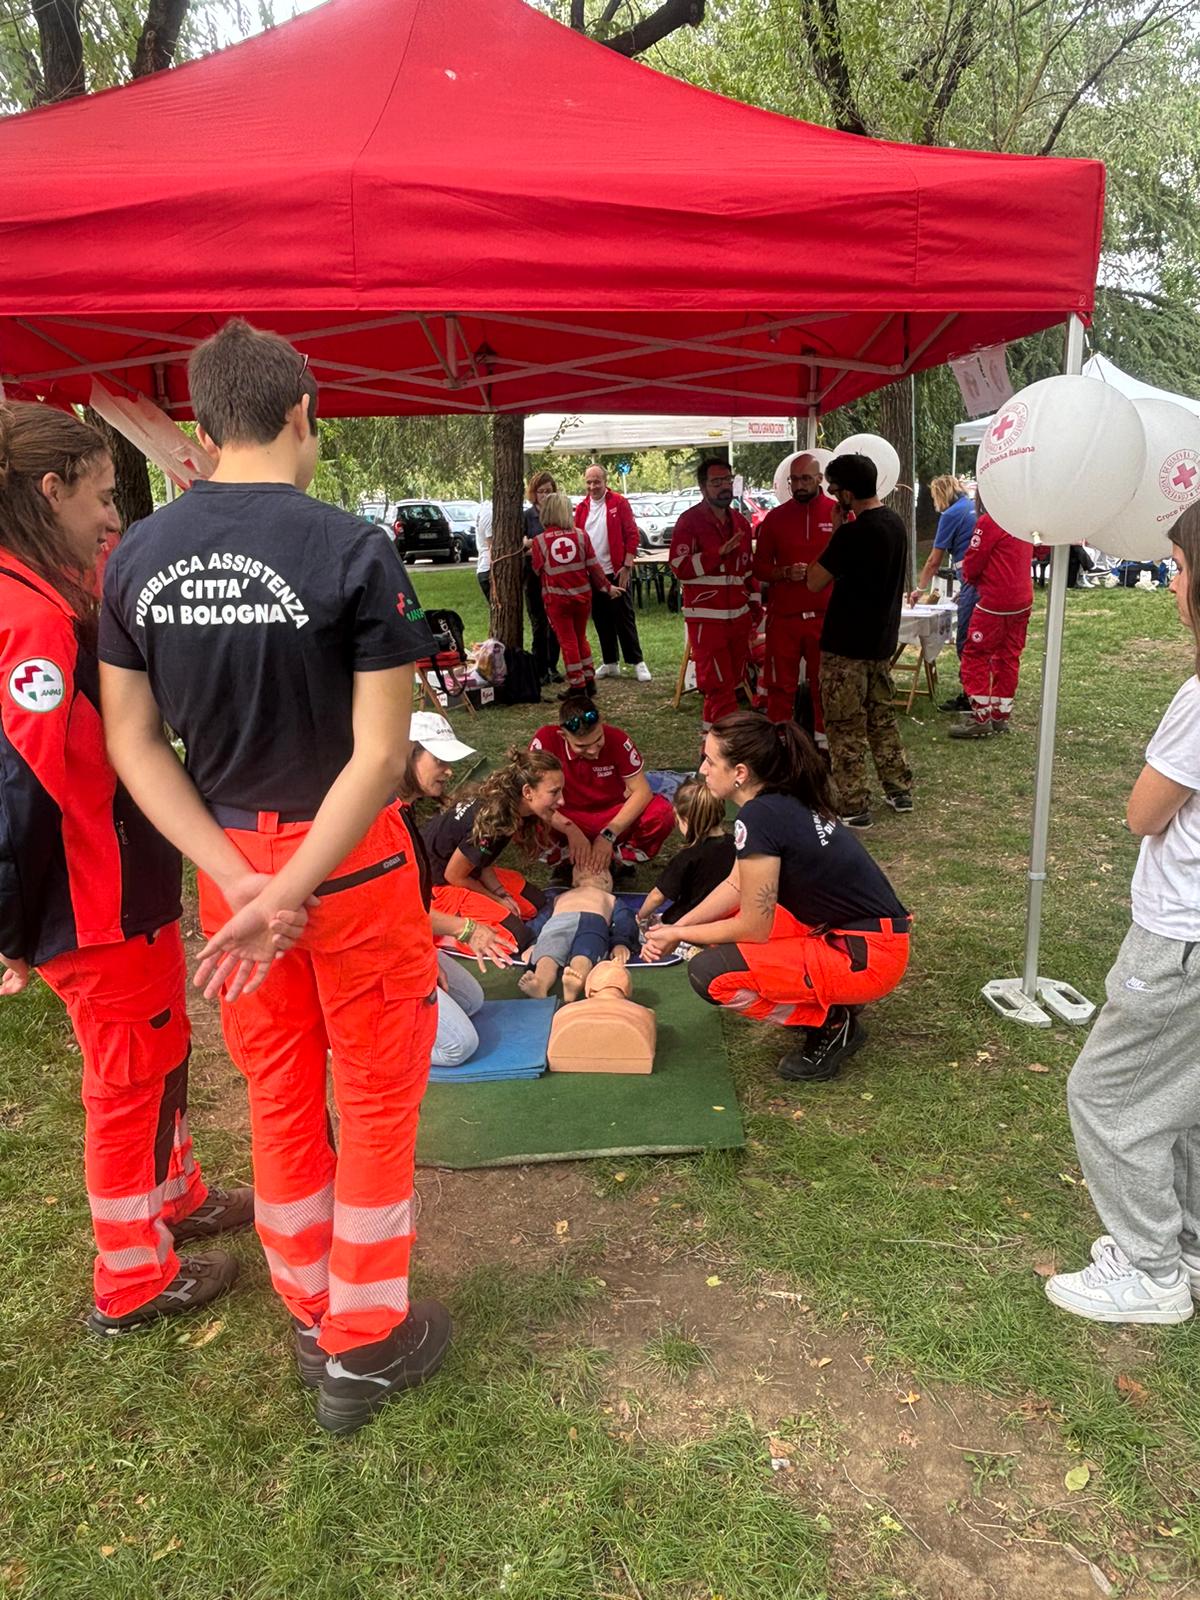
column 467, row 929
column 607, row 833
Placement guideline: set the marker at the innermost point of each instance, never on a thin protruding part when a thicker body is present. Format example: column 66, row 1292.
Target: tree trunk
column 896, row 425
column 508, row 527
column 160, row 34
column 134, row 497
column 62, row 49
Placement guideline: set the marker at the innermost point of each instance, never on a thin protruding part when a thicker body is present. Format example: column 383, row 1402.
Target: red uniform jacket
column 797, row 530
column 622, row 529
column 79, row 864
column 998, row 565
column 566, row 563
column 716, row 588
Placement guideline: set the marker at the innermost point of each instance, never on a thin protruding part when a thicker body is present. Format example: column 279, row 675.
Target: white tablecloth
column 932, row 627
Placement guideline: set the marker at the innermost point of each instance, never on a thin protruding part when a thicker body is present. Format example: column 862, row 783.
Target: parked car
column 463, row 517
column 655, row 518
column 754, row 504
column 420, row 529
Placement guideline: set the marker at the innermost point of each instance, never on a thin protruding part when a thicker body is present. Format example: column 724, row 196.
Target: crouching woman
column 806, row 929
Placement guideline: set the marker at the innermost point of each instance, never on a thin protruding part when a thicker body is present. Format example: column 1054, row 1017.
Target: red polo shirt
column 592, row 783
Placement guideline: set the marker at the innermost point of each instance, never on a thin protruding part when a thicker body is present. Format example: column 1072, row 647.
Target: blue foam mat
column 513, row 1038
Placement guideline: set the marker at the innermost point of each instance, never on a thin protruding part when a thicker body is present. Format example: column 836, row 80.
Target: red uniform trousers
column 128, row 1009
column 798, row 974
column 790, row 640
column 337, row 1227
column 569, row 618
column 644, row 840
column 991, row 662
column 721, row 651
column 454, row 901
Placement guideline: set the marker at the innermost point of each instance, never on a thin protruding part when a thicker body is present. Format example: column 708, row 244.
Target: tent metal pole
column 1037, row 1000
column 810, row 430
column 916, row 485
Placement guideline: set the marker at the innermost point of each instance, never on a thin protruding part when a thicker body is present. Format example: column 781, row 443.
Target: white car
column 463, row 517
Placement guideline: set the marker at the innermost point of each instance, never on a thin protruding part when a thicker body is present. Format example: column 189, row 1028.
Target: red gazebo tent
column 460, row 205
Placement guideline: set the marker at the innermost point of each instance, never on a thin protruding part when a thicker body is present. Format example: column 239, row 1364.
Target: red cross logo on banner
column 1179, row 478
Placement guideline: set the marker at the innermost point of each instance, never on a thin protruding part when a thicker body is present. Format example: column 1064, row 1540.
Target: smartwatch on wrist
column 607, row 833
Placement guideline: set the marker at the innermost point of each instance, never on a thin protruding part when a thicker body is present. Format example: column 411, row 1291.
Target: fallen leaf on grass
column 171, row 1545
column 718, row 1108
column 821, row 1361
column 619, row 1177
column 1078, row 1478
column 207, row 1335
column 796, row 1115
column 107, row 1550
column 712, row 1281
column 1046, row 1266
column 562, row 1228
column 1036, row 1066
column 49, row 1199
column 1167, row 1533
column 1132, row 1389
column 909, row 1399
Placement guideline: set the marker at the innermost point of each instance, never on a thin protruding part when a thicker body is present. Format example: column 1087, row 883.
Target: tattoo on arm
column 766, row 897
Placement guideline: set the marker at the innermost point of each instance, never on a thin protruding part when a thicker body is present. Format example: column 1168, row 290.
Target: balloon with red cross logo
column 1170, row 483
column 1061, row 460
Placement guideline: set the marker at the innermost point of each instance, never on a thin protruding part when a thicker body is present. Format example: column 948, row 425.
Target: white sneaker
column 608, row 669
column 642, row 672
column 1191, row 1271
column 1111, row 1289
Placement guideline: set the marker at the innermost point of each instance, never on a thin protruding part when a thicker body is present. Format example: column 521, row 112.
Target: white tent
column 593, row 434
column 969, row 435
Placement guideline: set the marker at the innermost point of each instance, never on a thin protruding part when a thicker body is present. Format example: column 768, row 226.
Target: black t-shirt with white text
column 693, row 874
column 827, row 878
column 252, row 606
column 868, row 559
column 453, row 829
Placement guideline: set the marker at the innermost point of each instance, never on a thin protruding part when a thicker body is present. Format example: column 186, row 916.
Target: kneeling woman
column 514, row 803
column 807, row 927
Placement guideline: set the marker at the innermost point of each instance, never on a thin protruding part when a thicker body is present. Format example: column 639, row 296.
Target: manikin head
column 581, row 879
column 608, row 980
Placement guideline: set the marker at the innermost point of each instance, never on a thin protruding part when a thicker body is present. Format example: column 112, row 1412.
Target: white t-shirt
column 483, row 539
column 597, row 531
column 1166, row 882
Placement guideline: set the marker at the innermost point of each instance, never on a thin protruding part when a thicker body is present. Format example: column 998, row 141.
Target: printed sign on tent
column 983, row 380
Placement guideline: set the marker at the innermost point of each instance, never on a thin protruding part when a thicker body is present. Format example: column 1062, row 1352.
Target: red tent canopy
column 459, row 205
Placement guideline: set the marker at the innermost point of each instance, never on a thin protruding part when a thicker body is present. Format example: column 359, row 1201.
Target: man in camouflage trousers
column 865, row 561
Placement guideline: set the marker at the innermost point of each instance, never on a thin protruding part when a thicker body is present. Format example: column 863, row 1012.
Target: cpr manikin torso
column 606, row 1031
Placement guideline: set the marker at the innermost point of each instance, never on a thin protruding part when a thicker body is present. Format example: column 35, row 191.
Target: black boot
column 200, row 1279
column 821, row 1056
column 310, row 1358
column 357, row 1382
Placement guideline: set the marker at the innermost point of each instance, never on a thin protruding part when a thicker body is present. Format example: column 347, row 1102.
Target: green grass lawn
column 910, row 1203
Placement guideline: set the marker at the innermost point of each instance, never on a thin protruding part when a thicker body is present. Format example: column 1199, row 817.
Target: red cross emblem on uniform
column 562, row 550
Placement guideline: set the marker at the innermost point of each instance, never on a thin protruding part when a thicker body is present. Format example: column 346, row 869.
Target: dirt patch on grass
column 938, row 1491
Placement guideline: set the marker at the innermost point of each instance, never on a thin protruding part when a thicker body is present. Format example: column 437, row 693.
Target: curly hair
column 498, row 809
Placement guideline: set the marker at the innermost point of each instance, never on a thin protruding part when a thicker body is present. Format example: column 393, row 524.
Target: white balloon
column 1062, row 459
column 780, row 484
column 878, row 450
column 1171, row 483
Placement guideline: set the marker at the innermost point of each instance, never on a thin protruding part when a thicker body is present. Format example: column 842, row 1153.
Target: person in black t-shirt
column 276, row 635
column 464, row 842
column 867, row 559
column 808, row 928
column 705, row 861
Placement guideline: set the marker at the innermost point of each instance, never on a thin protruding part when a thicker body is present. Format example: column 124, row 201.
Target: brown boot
column 224, row 1211
column 200, row 1279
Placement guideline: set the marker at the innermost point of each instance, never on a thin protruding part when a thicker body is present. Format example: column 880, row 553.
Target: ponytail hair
column 780, row 755
column 698, row 806
column 498, row 809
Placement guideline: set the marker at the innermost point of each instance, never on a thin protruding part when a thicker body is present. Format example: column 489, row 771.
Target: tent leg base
column 1056, row 1002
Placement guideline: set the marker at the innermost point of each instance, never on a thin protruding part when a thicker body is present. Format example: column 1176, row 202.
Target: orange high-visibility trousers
column 797, row 975
column 337, row 1228
column 128, row 1009
column 454, row 901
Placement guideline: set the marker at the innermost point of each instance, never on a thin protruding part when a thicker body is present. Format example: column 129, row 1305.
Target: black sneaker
column 858, row 819
column 200, row 1279
column 356, row 1383
column 310, row 1358
column 225, row 1211
column 956, row 702
column 820, row 1057
column 968, row 728
column 1000, row 727
column 899, row 802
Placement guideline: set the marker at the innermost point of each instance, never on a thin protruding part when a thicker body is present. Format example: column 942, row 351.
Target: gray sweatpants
column 1134, row 1098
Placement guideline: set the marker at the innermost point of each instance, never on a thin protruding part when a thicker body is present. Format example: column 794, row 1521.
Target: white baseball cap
column 436, row 735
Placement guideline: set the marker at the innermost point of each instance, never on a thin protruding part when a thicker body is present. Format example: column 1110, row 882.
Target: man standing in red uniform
column 789, row 538
column 607, row 519
column 997, row 564
column 711, row 553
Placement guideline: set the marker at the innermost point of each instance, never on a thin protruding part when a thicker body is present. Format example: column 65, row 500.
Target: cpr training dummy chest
column 606, row 1031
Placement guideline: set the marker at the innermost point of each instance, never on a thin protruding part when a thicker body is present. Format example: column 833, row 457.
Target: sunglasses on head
column 585, row 719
